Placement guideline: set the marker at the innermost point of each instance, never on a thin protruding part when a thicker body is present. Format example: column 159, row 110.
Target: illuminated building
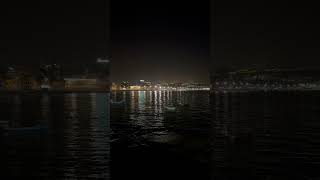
column 22, row 81
column 115, row 87
column 27, row 82
column 11, row 84
column 145, row 85
column 267, row 79
column 135, row 87
column 125, row 85
column 80, row 84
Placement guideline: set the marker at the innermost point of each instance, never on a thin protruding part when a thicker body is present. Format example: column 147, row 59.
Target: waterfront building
column 80, row 84
column 11, row 84
column 267, row 79
column 27, row 82
column 145, row 85
column 115, row 87
column 125, row 85
column 135, row 88
column 21, row 81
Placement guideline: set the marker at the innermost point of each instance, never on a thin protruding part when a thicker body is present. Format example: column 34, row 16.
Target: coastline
column 56, row 91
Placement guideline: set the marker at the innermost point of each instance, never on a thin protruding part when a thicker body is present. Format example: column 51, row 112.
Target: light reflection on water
column 249, row 135
column 273, row 135
column 72, row 143
column 218, row 136
column 146, row 110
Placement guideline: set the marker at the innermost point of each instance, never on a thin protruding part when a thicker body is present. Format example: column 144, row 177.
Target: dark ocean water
column 161, row 135
column 70, row 139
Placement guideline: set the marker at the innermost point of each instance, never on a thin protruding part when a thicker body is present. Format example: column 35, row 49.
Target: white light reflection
column 132, row 103
column 142, row 100
column 155, row 100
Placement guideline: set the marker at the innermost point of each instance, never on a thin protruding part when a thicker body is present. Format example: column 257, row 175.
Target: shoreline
column 162, row 90
column 55, row 91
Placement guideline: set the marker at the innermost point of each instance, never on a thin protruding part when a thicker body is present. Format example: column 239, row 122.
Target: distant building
column 80, row 84
column 27, row 82
column 52, row 72
column 51, row 77
column 11, row 84
column 267, row 79
column 125, row 85
column 96, row 77
column 21, row 81
column 115, row 87
column 145, row 85
column 135, row 87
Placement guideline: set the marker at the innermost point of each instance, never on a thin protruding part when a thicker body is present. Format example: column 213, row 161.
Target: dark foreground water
column 219, row 136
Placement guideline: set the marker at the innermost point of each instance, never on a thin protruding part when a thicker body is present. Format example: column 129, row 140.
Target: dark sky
column 71, row 33
column 262, row 34
column 156, row 40
column 160, row 40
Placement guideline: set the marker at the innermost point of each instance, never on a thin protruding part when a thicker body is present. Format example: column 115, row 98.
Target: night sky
column 160, row 40
column 264, row 34
column 71, row 33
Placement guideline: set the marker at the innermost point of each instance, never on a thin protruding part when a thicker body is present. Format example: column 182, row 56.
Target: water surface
column 256, row 135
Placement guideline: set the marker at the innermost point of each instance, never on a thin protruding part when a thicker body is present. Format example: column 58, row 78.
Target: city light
column 143, row 85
